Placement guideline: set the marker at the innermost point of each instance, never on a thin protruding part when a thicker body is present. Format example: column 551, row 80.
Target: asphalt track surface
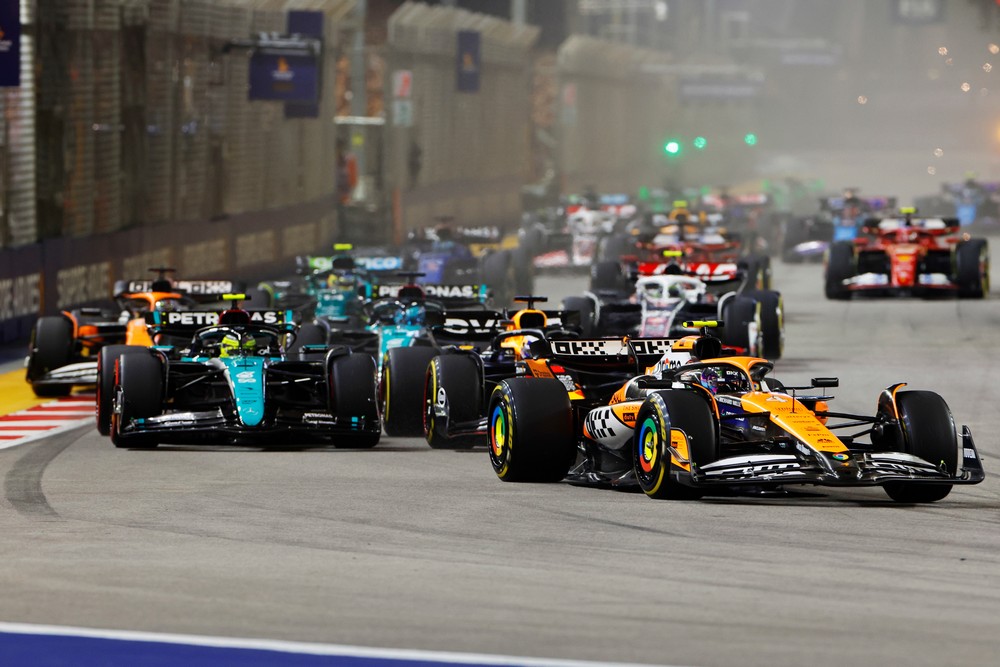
column 405, row 547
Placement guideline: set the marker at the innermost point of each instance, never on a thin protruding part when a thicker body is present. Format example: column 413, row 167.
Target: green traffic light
column 750, row 139
column 700, row 142
column 672, row 147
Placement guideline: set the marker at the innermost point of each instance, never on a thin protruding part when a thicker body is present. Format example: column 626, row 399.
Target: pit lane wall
column 57, row 274
column 462, row 154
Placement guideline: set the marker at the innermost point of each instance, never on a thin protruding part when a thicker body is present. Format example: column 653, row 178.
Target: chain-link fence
column 142, row 118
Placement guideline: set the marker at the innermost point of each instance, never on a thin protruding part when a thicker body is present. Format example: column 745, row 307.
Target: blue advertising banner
column 10, row 43
column 307, row 24
column 468, row 61
column 284, row 78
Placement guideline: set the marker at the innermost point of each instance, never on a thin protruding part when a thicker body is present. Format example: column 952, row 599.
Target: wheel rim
column 430, row 394
column 385, row 393
column 649, row 469
column 500, row 437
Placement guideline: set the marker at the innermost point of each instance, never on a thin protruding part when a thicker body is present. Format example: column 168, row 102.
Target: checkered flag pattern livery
column 599, row 423
column 609, row 347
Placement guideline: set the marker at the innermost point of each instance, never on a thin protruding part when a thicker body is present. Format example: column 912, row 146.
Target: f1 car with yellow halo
column 241, row 378
column 700, row 423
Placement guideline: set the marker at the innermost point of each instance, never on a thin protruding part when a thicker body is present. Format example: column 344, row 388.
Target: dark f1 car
column 700, row 424
column 458, row 381
column 240, row 380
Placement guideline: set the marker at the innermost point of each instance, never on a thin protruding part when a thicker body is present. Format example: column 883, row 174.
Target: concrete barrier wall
column 58, row 274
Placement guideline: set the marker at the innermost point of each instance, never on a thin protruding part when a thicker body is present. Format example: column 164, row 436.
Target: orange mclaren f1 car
column 701, row 423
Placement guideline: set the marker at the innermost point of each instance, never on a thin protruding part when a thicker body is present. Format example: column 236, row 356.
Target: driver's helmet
column 413, row 314
column 232, row 346
column 167, row 305
column 343, row 280
column 710, row 380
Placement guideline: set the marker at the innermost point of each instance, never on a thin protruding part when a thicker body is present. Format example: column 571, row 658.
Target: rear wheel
column 106, row 359
column 840, row 265
column 51, row 348
column 928, row 432
column 402, row 390
column 660, row 415
column 454, row 387
column 530, row 430
column 769, row 316
column 139, row 391
column 737, row 315
column 307, row 334
column 758, row 272
column 972, row 269
column 606, row 276
column 353, row 395
column 585, row 307
column 256, row 299
column 612, row 248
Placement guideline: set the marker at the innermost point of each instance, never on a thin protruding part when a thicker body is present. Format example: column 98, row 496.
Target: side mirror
column 826, row 382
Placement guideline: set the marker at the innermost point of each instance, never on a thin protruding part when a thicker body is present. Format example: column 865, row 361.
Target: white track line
column 301, row 647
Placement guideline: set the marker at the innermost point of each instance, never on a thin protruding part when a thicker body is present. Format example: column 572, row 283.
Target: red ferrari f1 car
column 909, row 256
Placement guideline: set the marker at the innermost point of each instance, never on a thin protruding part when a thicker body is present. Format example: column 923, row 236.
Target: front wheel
column 530, row 430
column 739, row 313
column 770, row 319
column 139, row 394
column 585, row 307
column 840, row 265
column 679, row 419
column 453, row 394
column 928, row 432
column 402, row 390
column 107, row 358
column 353, row 397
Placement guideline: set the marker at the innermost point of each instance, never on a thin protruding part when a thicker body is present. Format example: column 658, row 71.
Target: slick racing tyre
column 353, row 394
column 840, row 265
column 972, row 269
column 928, row 431
column 51, row 348
column 770, row 318
column 758, row 272
column 585, row 307
column 611, row 248
column 139, row 393
column 307, row 334
column 401, row 390
column 606, row 276
column 738, row 313
column 455, row 388
column 530, row 430
column 256, row 299
column 107, row 357
column 660, row 414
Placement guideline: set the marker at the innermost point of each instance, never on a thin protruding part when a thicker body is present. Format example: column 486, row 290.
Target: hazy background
column 894, row 96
